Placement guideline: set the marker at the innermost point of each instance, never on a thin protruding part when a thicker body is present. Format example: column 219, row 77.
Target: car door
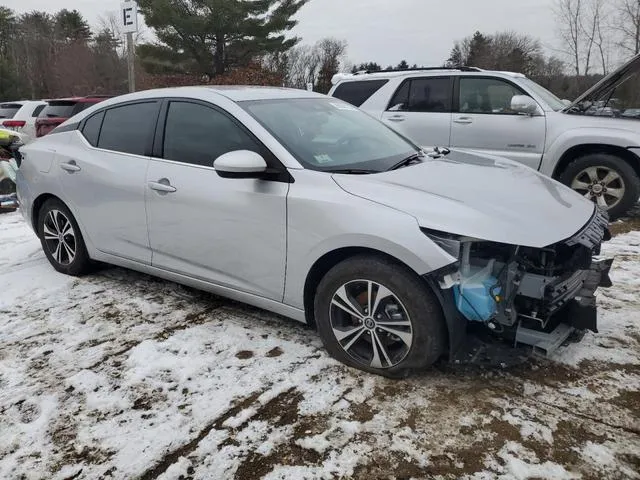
column 103, row 175
column 421, row 110
column 231, row 232
column 483, row 121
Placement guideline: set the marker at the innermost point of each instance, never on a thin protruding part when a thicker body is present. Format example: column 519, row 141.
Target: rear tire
column 62, row 240
column 605, row 179
column 389, row 336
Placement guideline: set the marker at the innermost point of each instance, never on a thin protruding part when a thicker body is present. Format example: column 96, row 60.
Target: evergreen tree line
column 48, row 56
column 225, row 41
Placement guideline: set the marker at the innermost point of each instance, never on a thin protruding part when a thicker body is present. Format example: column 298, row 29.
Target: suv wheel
column 605, row 179
column 378, row 316
column 61, row 239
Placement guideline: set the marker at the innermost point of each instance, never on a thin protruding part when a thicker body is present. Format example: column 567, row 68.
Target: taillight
column 14, row 123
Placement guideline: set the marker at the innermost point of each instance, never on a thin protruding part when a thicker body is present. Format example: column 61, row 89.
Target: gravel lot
column 118, row 375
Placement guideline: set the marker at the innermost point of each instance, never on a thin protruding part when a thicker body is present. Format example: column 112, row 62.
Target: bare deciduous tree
column 569, row 14
column 628, row 25
column 305, row 64
column 585, row 31
column 594, row 27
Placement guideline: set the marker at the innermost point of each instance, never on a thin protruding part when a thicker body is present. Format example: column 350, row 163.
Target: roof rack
column 421, row 69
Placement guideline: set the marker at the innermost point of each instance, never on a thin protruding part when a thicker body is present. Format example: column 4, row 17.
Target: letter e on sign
column 129, row 17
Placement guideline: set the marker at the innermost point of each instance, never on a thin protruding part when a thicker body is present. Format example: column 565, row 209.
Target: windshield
column 549, row 98
column 331, row 135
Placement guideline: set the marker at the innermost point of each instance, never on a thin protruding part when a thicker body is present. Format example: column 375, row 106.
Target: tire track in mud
column 283, row 406
column 185, row 450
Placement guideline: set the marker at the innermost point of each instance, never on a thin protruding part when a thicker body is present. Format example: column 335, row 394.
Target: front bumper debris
column 544, row 298
column 580, row 312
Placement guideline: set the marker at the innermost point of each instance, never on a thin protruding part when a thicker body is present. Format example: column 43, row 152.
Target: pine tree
column 71, row 26
column 217, row 34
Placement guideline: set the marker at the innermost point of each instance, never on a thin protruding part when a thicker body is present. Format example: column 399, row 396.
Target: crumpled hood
column 478, row 196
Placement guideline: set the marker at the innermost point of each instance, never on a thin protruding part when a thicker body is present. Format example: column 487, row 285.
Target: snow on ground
column 118, row 375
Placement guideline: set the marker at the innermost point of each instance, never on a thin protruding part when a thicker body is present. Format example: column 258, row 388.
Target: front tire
column 607, row 180
column 376, row 315
column 61, row 239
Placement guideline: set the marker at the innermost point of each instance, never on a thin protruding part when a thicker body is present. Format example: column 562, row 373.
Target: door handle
column 163, row 186
column 397, row 118
column 70, row 167
column 463, row 120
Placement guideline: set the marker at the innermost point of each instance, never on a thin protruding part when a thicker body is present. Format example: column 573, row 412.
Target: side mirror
column 524, row 105
column 240, row 164
column 566, row 102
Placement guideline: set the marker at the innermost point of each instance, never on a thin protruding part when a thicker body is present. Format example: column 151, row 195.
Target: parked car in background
column 9, row 142
column 57, row 111
column 21, row 116
column 506, row 114
column 306, row 206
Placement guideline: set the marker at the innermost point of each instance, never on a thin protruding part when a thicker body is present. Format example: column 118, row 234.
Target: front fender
column 585, row 136
column 325, row 218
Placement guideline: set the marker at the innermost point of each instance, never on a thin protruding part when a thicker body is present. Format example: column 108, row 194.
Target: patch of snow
column 116, row 372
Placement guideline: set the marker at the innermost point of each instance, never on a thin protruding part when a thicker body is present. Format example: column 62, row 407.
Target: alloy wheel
column 602, row 185
column 371, row 324
column 59, row 237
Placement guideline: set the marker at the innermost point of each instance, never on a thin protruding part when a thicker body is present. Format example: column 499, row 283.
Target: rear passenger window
column 423, row 95
column 91, row 129
column 198, row 135
column 356, row 93
column 128, row 128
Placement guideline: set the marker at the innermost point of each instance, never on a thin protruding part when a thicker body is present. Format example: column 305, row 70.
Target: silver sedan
column 305, row 206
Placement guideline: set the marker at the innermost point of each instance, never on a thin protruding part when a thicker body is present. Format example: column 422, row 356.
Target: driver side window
column 197, row 134
column 487, row 95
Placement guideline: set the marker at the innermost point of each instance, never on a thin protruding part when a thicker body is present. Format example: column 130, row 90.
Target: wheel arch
column 37, row 206
column 581, row 150
column 330, row 259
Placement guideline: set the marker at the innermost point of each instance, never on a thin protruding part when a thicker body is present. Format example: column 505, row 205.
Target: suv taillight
column 14, row 123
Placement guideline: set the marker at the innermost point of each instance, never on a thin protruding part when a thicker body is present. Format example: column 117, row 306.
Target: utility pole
column 131, row 62
column 130, row 26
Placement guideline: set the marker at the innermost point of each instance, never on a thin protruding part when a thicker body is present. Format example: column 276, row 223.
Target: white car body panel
column 26, row 114
column 543, row 141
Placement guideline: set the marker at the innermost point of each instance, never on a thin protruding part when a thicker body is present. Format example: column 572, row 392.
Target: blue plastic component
column 476, row 300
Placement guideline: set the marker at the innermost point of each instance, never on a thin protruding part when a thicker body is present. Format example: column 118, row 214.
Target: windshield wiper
column 353, row 171
column 416, row 157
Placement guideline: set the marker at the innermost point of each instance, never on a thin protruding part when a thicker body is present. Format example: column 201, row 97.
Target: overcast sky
column 386, row 31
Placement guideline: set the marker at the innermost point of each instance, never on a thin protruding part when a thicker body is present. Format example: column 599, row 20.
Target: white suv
column 21, row 116
column 506, row 114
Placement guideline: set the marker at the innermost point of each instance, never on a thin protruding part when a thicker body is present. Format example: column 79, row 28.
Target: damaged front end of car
column 540, row 297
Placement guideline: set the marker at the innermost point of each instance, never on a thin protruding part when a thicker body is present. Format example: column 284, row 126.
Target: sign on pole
column 129, row 16
column 129, row 10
